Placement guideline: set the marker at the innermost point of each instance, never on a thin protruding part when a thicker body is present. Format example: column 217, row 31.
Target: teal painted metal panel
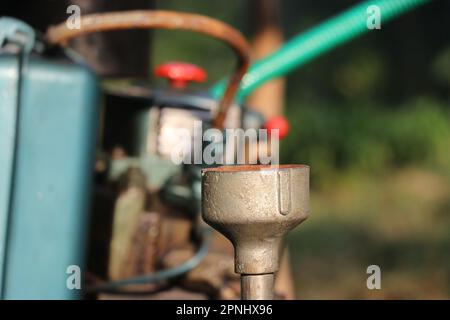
column 53, row 162
column 9, row 93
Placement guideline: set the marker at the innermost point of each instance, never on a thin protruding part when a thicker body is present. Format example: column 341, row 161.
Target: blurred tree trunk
column 269, row 98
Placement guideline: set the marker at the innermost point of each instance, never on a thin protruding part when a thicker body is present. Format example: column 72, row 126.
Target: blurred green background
column 372, row 119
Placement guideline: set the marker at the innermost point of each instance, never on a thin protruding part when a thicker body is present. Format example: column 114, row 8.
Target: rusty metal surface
column 173, row 293
column 146, row 19
column 254, row 206
column 211, row 276
column 128, row 209
column 143, row 256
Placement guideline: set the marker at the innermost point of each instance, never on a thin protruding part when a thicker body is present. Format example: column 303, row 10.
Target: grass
column 398, row 220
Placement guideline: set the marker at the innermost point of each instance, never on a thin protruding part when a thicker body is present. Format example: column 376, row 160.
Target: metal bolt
column 254, row 206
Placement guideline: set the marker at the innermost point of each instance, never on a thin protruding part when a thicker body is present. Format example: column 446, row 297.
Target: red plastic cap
column 279, row 123
column 180, row 73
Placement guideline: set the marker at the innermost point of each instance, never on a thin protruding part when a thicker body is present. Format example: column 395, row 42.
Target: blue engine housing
column 48, row 129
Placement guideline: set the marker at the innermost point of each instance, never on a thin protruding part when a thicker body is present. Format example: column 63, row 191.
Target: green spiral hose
column 316, row 41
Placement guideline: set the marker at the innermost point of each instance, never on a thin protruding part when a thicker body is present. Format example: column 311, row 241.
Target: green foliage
column 441, row 66
column 368, row 138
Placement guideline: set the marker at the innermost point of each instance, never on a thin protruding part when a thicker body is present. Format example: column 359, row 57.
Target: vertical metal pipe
column 257, row 286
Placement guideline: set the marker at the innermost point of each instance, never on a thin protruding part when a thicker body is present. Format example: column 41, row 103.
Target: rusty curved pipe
column 151, row 19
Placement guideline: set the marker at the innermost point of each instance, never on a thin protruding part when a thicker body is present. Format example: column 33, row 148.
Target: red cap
column 280, row 123
column 179, row 73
